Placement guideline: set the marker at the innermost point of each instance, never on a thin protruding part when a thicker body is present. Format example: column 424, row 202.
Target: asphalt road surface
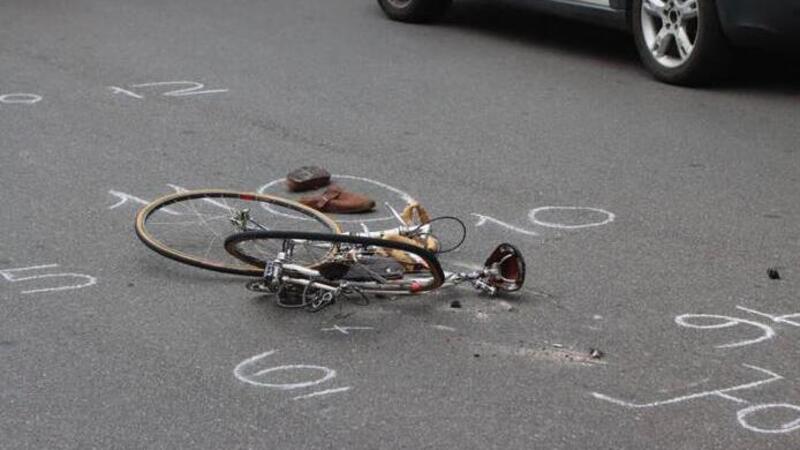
column 497, row 115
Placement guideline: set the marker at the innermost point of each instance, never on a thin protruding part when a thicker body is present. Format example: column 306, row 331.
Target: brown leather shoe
column 337, row 200
column 307, row 178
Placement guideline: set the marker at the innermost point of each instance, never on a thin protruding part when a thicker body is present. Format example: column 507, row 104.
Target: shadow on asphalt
column 157, row 268
column 766, row 73
column 521, row 23
column 753, row 71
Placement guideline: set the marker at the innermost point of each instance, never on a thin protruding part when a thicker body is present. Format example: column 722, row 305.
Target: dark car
column 686, row 42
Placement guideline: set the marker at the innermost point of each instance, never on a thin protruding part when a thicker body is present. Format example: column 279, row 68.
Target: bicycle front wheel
column 190, row 227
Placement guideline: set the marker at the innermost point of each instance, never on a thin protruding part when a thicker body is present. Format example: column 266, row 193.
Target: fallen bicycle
column 305, row 258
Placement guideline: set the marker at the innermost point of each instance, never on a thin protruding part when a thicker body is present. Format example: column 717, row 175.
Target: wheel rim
column 191, row 226
column 670, row 30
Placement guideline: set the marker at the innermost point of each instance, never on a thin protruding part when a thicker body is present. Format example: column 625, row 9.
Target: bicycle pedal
column 322, row 302
column 317, row 307
column 258, row 286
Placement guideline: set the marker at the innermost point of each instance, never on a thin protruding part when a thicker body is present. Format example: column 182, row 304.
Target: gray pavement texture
column 496, row 111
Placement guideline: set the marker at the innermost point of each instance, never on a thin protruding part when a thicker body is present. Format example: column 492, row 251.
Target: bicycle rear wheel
column 190, row 227
column 250, row 247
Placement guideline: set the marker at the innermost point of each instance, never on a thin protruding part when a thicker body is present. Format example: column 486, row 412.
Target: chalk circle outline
column 32, row 98
column 726, row 321
column 237, row 372
column 405, row 196
column 787, row 427
column 532, row 217
column 329, row 373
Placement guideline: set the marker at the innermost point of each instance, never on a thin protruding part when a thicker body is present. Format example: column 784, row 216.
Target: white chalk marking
column 124, row 198
column 345, row 330
column 20, row 98
column 727, row 321
column 90, row 281
column 9, row 275
column 320, row 393
column 443, row 327
column 532, row 216
column 722, row 393
column 119, row 90
column 180, row 190
column 482, row 219
column 195, row 89
column 779, row 319
column 406, row 197
column 787, row 427
column 238, row 372
column 731, row 398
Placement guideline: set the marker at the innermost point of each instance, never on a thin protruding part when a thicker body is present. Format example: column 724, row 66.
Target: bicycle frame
column 279, row 272
column 323, row 283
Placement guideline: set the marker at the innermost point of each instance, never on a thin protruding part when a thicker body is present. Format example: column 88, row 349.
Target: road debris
column 543, row 353
column 595, row 353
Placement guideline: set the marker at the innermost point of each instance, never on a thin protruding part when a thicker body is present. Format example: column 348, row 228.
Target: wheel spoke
column 654, row 7
column 683, row 43
column 661, row 43
column 194, row 226
column 688, row 9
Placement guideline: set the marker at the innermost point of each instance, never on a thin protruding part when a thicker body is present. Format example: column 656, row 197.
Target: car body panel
column 760, row 22
column 604, row 12
column 752, row 23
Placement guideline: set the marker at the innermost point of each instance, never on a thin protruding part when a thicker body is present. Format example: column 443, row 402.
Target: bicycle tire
column 232, row 246
column 169, row 204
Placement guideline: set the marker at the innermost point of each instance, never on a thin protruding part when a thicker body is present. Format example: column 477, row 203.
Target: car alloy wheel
column 681, row 41
column 669, row 29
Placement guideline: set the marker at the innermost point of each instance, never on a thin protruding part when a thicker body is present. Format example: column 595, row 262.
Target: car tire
column 680, row 41
column 415, row 11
